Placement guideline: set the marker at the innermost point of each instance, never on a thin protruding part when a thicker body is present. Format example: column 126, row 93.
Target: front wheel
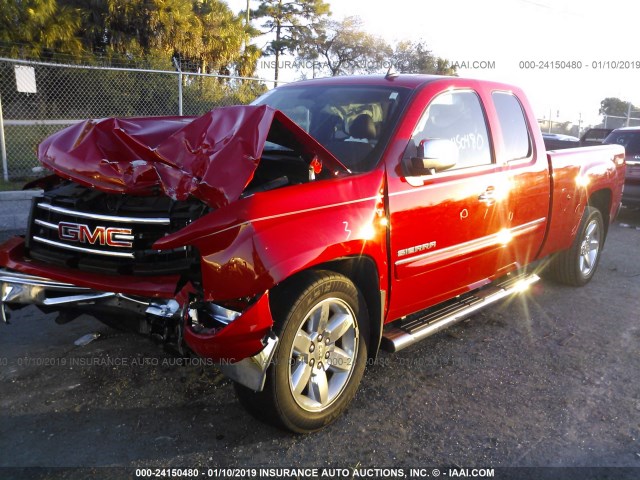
column 577, row 265
column 322, row 322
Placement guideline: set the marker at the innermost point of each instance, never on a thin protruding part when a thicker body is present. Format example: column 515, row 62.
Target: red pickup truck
column 293, row 238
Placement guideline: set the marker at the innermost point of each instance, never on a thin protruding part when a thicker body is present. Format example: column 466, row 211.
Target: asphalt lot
column 551, row 379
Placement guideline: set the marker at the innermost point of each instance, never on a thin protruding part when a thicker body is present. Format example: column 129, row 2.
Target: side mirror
column 434, row 155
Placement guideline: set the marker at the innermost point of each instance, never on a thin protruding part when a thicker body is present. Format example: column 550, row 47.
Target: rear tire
column 322, row 323
column 577, row 265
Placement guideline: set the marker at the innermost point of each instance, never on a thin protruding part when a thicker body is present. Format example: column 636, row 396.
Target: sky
column 517, row 42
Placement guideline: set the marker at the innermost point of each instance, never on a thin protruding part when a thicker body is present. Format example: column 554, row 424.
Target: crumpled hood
column 212, row 157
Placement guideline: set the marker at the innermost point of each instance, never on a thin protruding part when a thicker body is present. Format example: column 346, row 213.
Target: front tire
column 322, row 322
column 577, row 265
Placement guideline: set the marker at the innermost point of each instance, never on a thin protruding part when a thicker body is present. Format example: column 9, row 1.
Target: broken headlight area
column 207, row 318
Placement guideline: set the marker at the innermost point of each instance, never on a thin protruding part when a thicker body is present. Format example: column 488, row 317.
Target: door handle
column 488, row 196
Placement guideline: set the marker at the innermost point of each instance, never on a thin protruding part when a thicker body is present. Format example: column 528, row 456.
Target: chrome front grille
column 106, row 235
column 77, row 227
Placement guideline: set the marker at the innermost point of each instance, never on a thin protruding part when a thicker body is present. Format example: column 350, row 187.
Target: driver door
column 445, row 226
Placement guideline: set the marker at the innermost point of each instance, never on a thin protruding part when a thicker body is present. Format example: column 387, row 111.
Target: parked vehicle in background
column 629, row 138
column 292, row 238
column 594, row 136
column 558, row 141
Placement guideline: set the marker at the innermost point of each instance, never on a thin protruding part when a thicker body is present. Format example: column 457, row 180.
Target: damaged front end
column 72, row 262
column 207, row 328
column 99, row 239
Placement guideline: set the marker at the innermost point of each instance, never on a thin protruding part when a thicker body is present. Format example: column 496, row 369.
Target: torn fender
column 212, row 157
column 263, row 239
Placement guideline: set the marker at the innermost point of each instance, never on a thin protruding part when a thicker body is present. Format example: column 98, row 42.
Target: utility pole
column 3, row 148
column 246, row 35
column 580, row 124
column 628, row 114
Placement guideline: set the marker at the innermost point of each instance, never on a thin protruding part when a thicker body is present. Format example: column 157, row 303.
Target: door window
column 457, row 116
column 515, row 134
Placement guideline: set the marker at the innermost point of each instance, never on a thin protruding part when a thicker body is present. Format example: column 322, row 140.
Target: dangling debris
column 86, row 339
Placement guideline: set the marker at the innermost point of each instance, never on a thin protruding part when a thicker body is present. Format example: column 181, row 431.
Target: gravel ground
column 551, row 379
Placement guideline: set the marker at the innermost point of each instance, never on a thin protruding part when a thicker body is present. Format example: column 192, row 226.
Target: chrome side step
column 414, row 328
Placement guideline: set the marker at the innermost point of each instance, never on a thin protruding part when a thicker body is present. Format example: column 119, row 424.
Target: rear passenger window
column 457, row 116
column 513, row 125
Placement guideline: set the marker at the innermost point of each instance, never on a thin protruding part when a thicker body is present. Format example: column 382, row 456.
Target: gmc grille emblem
column 110, row 236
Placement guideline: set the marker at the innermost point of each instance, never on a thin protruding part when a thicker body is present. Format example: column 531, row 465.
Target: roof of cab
column 412, row 81
column 404, row 80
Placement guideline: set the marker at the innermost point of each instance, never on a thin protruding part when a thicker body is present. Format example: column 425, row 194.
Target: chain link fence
column 573, row 129
column 38, row 99
column 612, row 121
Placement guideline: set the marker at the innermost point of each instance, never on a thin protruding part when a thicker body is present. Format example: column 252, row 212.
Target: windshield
column 630, row 140
column 352, row 122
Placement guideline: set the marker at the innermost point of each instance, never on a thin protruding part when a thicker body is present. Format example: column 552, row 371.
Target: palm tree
column 34, row 27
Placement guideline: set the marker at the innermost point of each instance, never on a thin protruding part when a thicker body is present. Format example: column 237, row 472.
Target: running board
column 411, row 329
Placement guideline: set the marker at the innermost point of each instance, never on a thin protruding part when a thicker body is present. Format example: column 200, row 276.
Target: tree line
column 204, row 36
column 305, row 29
column 613, row 106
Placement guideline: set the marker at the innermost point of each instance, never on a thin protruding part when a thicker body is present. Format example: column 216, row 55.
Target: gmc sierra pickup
column 292, row 238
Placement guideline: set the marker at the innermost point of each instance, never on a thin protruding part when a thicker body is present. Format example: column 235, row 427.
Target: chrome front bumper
column 21, row 289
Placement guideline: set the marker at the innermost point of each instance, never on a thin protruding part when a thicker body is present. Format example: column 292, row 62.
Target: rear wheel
column 577, row 265
column 321, row 356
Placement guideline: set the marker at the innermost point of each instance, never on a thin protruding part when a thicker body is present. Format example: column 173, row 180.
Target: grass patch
column 21, row 144
column 11, row 185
